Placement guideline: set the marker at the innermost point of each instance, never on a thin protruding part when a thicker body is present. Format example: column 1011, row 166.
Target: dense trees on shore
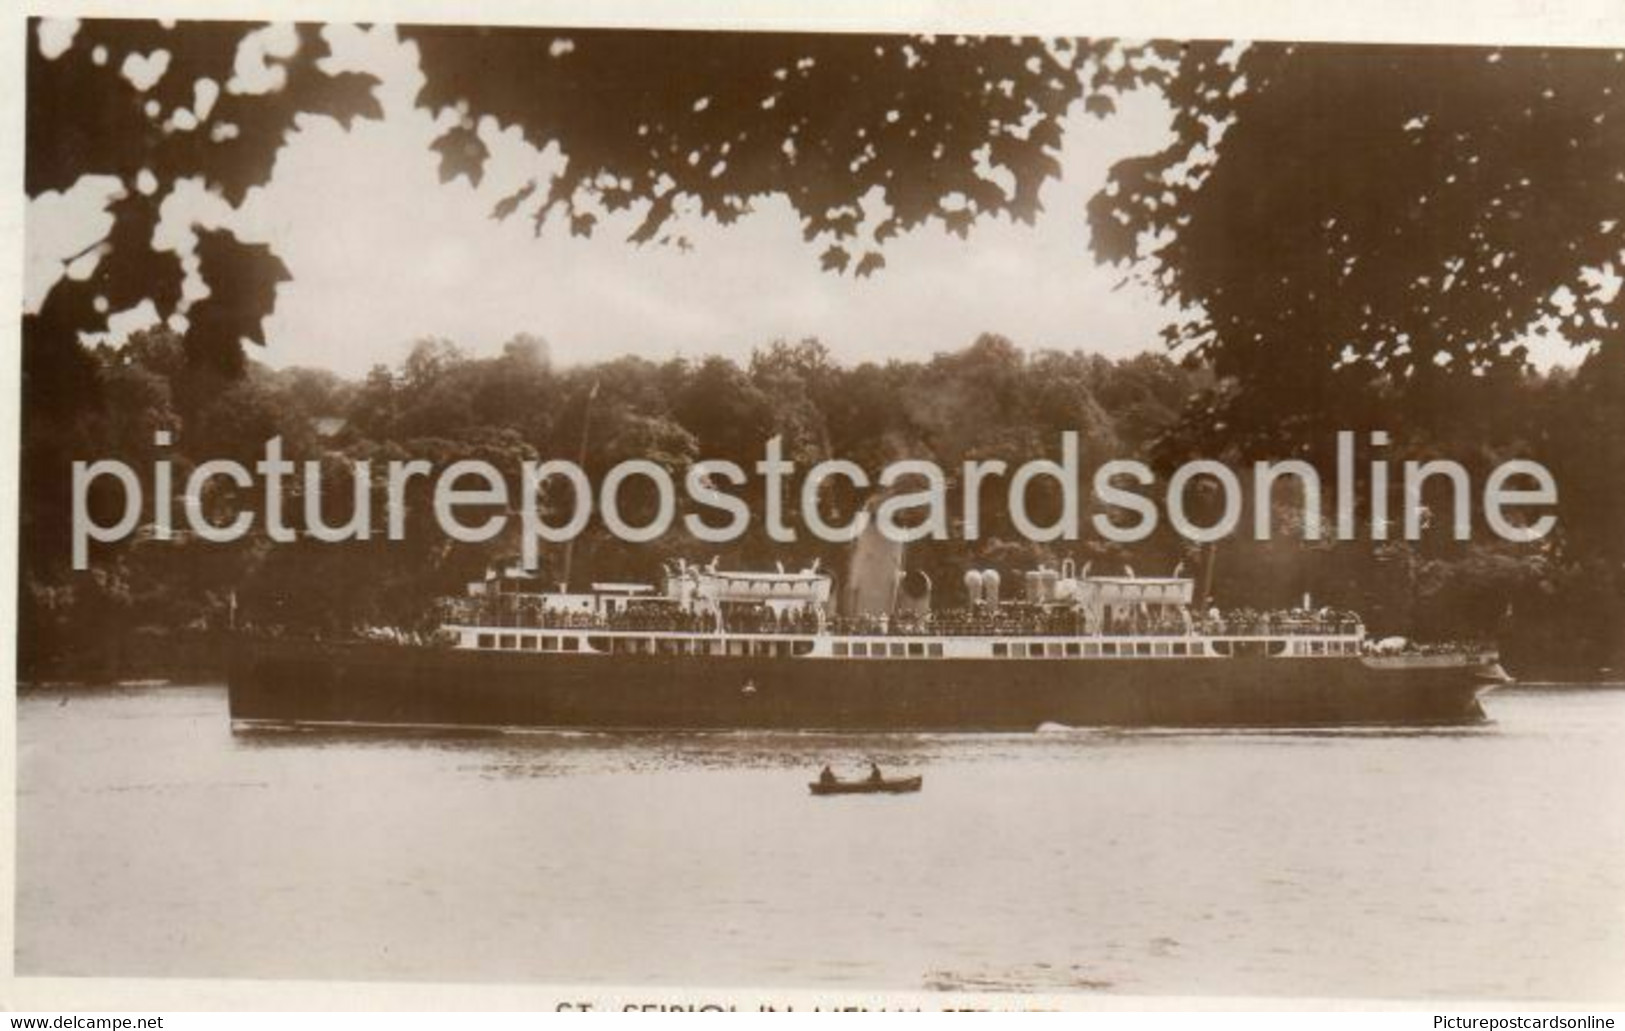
column 1355, row 237
column 987, row 400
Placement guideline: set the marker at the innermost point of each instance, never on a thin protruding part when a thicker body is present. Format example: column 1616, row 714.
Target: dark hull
column 390, row 685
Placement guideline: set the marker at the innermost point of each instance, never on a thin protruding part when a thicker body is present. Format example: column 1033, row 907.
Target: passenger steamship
column 715, row 649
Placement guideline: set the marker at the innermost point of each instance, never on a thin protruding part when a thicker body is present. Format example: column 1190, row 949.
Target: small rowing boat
column 867, row 786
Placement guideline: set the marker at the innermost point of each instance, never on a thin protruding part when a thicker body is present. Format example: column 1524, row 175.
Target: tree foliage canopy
column 95, row 110
column 1327, row 213
column 1332, row 214
column 944, row 129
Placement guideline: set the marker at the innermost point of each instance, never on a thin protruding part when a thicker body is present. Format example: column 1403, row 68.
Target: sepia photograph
column 860, row 514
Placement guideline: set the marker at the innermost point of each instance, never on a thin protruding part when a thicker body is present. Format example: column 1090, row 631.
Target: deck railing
column 1007, row 621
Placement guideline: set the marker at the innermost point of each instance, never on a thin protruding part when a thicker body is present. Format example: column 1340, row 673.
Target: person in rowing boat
column 874, row 774
column 827, row 777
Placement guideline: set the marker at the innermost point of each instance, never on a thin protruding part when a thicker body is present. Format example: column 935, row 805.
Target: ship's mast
column 1206, row 595
column 581, row 463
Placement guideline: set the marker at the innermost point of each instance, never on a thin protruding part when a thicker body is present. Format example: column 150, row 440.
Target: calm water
column 1482, row 862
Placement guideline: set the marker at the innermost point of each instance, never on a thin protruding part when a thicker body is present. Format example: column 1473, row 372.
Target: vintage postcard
column 758, row 510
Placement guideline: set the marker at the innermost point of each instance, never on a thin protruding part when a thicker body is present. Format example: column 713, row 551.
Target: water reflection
column 545, row 753
column 1459, row 861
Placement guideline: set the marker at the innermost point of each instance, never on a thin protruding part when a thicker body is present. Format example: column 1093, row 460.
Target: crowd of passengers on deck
column 1009, row 619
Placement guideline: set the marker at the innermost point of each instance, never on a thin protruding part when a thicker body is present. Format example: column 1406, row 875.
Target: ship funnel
column 872, row 570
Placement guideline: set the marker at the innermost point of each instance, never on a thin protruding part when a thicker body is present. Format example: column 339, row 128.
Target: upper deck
column 787, row 615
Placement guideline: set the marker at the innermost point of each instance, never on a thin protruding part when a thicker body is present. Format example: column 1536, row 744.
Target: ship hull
column 381, row 685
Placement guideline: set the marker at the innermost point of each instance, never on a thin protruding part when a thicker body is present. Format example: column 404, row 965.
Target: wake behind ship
column 764, row 650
